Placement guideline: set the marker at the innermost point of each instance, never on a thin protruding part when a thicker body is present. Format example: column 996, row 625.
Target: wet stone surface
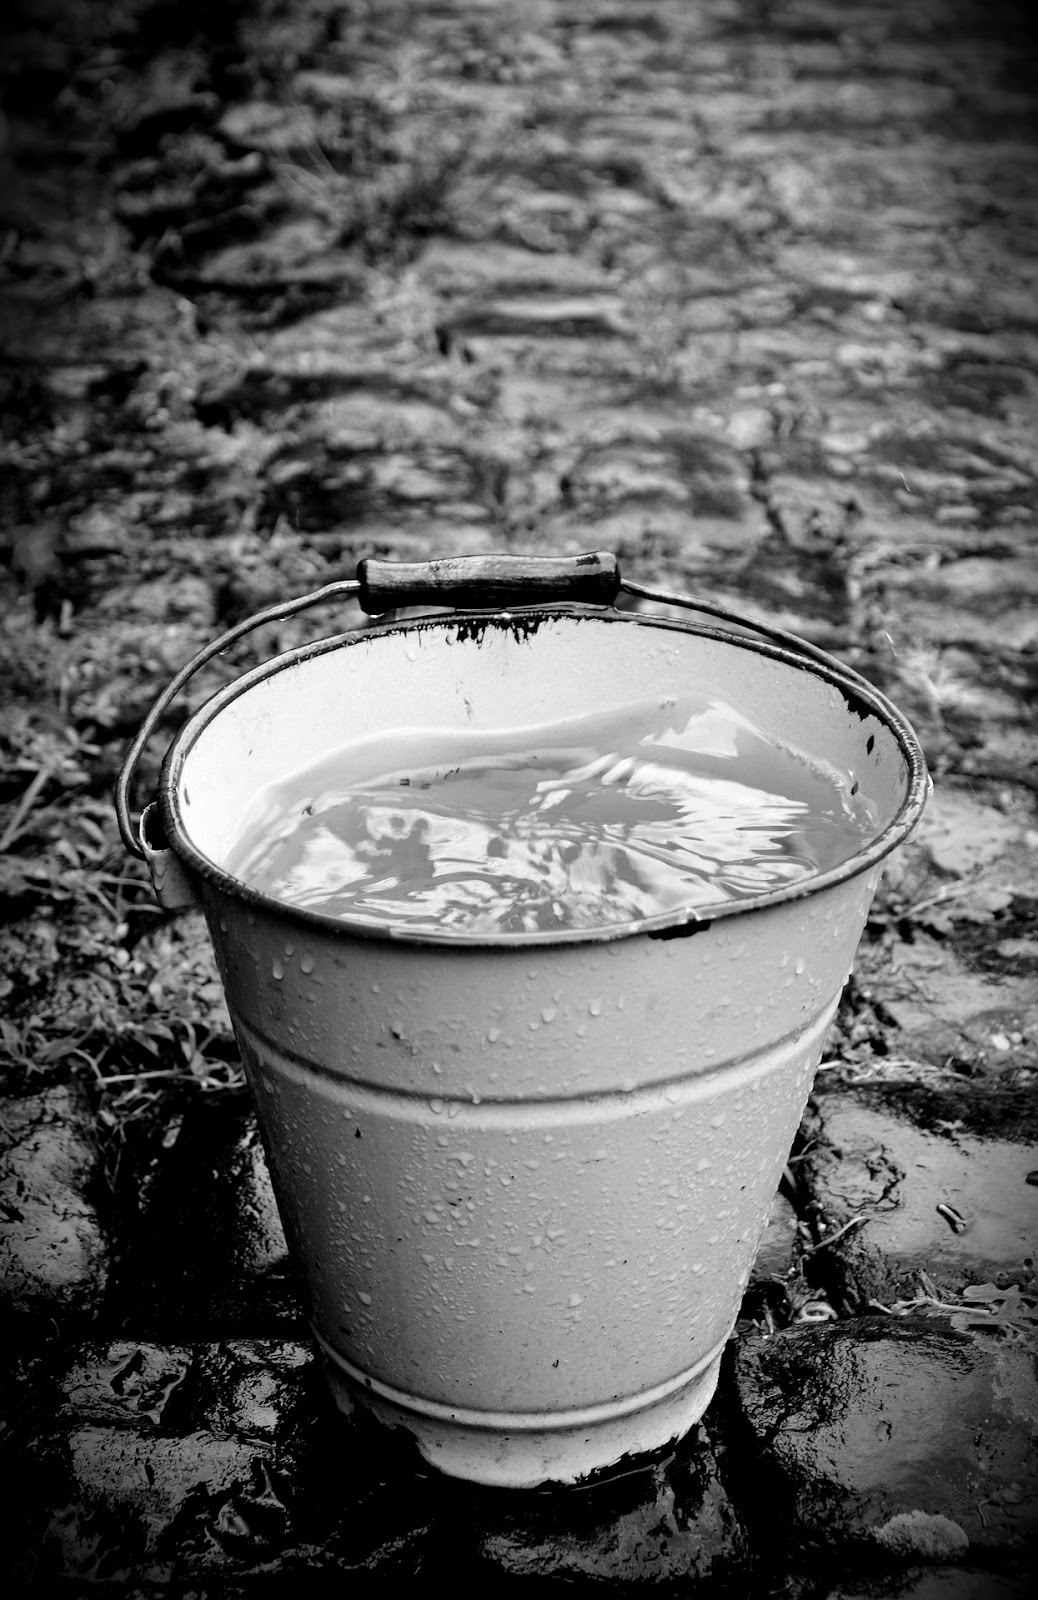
column 743, row 292
column 218, row 1464
column 907, row 1184
column 940, row 1583
column 54, row 1253
column 892, row 1441
column 147, row 1457
column 667, row 1524
column 205, row 1254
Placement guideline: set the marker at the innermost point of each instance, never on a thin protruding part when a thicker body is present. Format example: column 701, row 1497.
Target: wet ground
column 743, row 292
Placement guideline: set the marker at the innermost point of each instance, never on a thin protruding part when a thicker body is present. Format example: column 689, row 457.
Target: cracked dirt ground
column 743, row 292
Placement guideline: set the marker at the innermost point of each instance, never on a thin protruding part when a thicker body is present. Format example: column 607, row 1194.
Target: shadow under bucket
column 526, row 1175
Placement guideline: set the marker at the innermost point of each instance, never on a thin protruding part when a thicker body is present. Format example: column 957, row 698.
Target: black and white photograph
column 519, row 799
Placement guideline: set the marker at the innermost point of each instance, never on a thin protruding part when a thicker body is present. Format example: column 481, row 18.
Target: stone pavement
column 745, row 293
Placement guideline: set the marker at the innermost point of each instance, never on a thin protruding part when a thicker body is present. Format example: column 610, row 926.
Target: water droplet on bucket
column 306, row 964
column 799, row 969
column 595, row 1007
column 365, row 1299
column 549, row 1014
column 277, row 971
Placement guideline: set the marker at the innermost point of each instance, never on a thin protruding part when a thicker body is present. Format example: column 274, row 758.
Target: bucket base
column 521, row 1450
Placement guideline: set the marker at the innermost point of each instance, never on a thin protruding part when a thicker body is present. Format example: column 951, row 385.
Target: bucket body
column 526, row 1176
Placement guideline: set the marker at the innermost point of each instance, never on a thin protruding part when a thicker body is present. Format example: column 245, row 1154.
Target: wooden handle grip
column 490, row 583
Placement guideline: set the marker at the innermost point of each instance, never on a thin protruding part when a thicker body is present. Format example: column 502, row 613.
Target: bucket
column 525, row 1176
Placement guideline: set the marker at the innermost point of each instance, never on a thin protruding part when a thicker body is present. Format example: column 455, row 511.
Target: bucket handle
column 491, row 582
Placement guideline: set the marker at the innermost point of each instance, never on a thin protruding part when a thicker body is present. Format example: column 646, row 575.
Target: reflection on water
column 591, row 822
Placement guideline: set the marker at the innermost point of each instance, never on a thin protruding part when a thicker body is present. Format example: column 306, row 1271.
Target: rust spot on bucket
column 858, row 706
column 681, row 930
column 521, row 626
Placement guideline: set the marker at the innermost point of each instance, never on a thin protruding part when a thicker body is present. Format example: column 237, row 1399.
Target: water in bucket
column 592, row 821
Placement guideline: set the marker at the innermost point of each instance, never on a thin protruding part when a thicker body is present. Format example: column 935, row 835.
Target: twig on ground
column 950, row 892
column 21, row 812
column 138, row 1077
column 831, row 1238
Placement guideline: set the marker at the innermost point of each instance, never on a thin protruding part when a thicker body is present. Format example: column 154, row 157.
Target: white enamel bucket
column 525, row 1176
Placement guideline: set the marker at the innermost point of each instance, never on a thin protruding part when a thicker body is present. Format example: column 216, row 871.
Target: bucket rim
column 860, row 697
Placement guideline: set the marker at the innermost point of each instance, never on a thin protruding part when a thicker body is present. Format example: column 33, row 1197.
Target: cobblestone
column 935, row 1200
column 206, row 1255
column 54, row 1253
column 909, row 1440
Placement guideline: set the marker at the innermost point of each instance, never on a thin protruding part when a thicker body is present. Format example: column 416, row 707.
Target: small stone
column 137, row 1449
column 547, row 316
column 749, row 427
column 124, row 1382
column 268, row 126
column 124, row 1492
column 957, row 516
column 255, row 1388
column 922, row 1535
column 460, row 268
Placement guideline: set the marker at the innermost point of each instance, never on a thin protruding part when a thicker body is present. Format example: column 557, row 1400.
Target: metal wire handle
column 492, row 582
column 277, row 613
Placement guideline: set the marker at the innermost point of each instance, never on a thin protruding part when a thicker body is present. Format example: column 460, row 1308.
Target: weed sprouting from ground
column 382, row 169
column 85, row 985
